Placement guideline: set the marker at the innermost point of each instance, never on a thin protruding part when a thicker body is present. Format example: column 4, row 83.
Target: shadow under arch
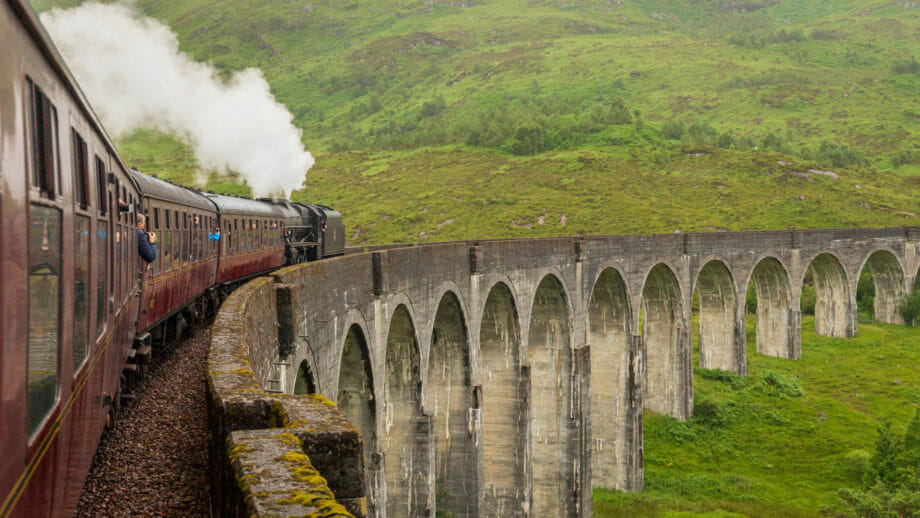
column 504, row 410
column 615, row 407
column 357, row 401
column 552, row 425
column 450, row 400
column 833, row 315
column 721, row 329
column 407, row 431
column 890, row 288
column 778, row 324
column 669, row 385
column 305, row 382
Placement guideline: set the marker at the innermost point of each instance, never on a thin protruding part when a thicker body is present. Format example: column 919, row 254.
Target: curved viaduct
column 508, row 377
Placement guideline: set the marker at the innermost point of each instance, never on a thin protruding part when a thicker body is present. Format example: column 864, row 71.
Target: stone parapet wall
column 264, row 445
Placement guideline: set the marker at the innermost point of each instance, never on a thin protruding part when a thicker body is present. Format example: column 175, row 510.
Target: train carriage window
column 45, row 158
column 100, row 187
column 110, row 254
column 167, row 250
column 155, row 228
column 193, row 238
column 44, row 342
column 116, row 259
column 236, row 236
column 185, row 238
column 101, row 264
column 177, row 242
column 250, row 235
column 80, row 171
column 81, row 290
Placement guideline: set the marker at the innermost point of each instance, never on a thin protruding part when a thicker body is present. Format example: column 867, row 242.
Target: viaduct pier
column 508, row 377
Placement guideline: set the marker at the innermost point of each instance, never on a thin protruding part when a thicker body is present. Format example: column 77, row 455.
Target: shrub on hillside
column 839, row 156
column 750, row 300
column 619, row 112
column 856, row 463
column 910, row 308
column 712, row 412
column 809, row 298
column 891, row 484
column 527, row 140
column 906, row 66
column 781, row 386
column 672, row 130
column 902, row 157
column 865, row 291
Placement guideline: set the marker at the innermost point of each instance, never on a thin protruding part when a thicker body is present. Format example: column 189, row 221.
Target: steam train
column 80, row 312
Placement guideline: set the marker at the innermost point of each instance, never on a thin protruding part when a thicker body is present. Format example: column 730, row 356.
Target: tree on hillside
column 527, row 140
column 891, row 486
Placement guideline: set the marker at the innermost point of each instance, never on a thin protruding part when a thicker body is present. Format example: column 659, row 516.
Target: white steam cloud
column 133, row 73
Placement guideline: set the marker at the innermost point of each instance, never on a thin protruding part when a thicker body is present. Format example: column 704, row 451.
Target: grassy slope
column 349, row 72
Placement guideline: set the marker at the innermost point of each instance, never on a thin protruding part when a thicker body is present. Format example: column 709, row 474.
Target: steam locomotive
column 80, row 312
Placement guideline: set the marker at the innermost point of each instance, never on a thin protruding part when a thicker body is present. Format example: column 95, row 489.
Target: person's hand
column 151, row 237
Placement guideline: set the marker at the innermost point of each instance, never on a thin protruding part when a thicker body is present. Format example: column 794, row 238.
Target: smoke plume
column 131, row 70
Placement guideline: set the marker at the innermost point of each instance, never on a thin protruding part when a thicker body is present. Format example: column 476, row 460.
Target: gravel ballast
column 154, row 462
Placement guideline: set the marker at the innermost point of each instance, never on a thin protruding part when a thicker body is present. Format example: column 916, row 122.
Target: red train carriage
column 74, row 292
column 251, row 237
column 68, row 273
column 186, row 264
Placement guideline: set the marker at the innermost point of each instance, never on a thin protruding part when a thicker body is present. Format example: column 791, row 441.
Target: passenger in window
column 146, row 241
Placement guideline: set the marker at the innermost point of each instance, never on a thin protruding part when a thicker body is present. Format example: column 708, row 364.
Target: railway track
column 154, row 460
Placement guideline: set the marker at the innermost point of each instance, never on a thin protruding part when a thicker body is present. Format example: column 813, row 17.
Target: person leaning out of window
column 146, row 241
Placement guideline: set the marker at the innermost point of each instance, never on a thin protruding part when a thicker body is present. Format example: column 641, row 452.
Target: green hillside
column 650, row 116
column 464, row 119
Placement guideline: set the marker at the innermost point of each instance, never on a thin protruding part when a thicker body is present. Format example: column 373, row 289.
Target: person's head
column 142, row 222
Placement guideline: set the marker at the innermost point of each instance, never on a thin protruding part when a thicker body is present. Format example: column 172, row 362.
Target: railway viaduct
column 508, row 377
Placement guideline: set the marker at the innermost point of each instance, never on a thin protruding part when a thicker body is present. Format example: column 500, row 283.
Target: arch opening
column 890, row 286
column 357, row 401
column 304, row 383
column 720, row 335
column 450, row 400
column 777, row 322
column 615, row 413
column 669, row 384
column 826, row 295
column 405, row 446
column 552, row 424
column 504, row 413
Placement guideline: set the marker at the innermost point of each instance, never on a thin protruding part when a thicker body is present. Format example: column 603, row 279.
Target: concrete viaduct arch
column 509, row 376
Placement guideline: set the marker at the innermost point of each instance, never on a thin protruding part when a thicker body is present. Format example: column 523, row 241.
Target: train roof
column 30, row 20
column 155, row 188
column 244, row 206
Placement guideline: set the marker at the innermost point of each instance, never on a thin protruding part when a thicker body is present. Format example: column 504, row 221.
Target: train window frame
column 110, row 254
column 236, row 229
column 101, row 183
column 80, row 157
column 87, row 257
column 37, row 428
column 44, row 154
column 153, row 225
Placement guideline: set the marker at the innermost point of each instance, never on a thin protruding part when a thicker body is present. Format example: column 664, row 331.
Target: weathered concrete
column 466, row 365
column 262, row 443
